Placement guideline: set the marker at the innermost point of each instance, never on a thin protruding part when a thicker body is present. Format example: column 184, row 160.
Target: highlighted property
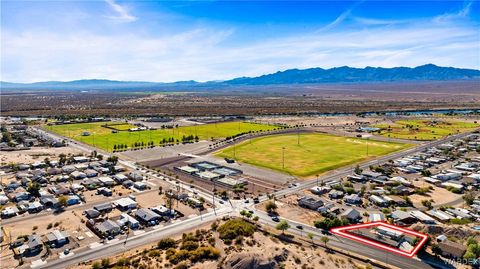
column 385, row 236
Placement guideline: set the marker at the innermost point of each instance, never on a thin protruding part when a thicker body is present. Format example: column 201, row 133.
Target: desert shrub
column 204, row 253
column 233, row 228
column 189, row 245
column 166, row 243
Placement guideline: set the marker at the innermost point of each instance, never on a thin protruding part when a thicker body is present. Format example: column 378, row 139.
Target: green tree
column 62, row 200
column 325, row 240
column 469, row 197
column 427, row 204
column 34, row 188
column 113, row 159
column 310, row 236
column 358, row 170
column 282, row 226
column 436, row 249
column 270, row 206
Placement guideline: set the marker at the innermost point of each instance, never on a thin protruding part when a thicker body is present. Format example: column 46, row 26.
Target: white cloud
column 461, row 14
column 201, row 53
column 121, row 12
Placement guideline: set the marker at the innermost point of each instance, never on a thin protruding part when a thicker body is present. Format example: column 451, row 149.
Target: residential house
column 106, row 181
column 353, row 199
column 352, row 215
column 103, row 208
column 57, row 238
column 310, row 203
column 91, row 173
column 73, row 200
column 140, row 186
column 402, row 217
column 147, row 216
column 108, row 228
column 126, row 204
column 78, row 175
column 335, row 194
column 92, row 213
column 452, row 249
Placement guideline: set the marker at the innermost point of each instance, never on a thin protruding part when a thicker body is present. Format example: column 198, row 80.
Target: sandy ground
column 298, row 256
column 315, row 120
column 118, row 192
column 440, row 196
column 288, row 208
column 69, row 221
column 35, row 154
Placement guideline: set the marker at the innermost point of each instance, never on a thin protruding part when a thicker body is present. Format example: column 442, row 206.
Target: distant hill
column 369, row 74
column 344, row 74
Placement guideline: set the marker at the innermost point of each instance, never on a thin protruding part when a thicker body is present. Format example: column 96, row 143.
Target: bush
column 179, row 256
column 189, row 245
column 233, row 228
column 166, row 243
column 204, row 253
column 329, row 223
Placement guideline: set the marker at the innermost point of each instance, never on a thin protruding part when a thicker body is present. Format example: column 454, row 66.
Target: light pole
column 367, row 146
column 298, row 137
column 283, row 157
column 234, row 151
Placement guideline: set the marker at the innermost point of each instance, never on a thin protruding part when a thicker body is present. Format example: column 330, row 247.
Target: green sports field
column 423, row 129
column 104, row 138
column 316, row 153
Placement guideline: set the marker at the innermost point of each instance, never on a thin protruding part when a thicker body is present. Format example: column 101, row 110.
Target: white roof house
column 126, row 203
column 422, row 217
column 106, row 181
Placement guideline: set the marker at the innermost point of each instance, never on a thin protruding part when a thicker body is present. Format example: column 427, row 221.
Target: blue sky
column 215, row 40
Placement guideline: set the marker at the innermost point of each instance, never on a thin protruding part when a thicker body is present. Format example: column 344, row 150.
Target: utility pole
column 213, row 197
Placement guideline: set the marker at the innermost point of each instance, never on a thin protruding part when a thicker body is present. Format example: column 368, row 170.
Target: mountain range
column 344, row 74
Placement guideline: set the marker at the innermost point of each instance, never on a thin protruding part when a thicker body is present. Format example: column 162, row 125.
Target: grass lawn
column 104, row 138
column 121, row 126
column 423, row 129
column 317, row 153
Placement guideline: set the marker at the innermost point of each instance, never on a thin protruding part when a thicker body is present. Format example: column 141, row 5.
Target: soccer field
column 316, row 153
column 425, row 129
column 104, row 138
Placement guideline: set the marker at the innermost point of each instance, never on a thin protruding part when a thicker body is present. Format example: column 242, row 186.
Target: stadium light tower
column 283, row 157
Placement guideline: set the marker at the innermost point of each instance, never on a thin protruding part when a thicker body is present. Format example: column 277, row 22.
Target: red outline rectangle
column 341, row 231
